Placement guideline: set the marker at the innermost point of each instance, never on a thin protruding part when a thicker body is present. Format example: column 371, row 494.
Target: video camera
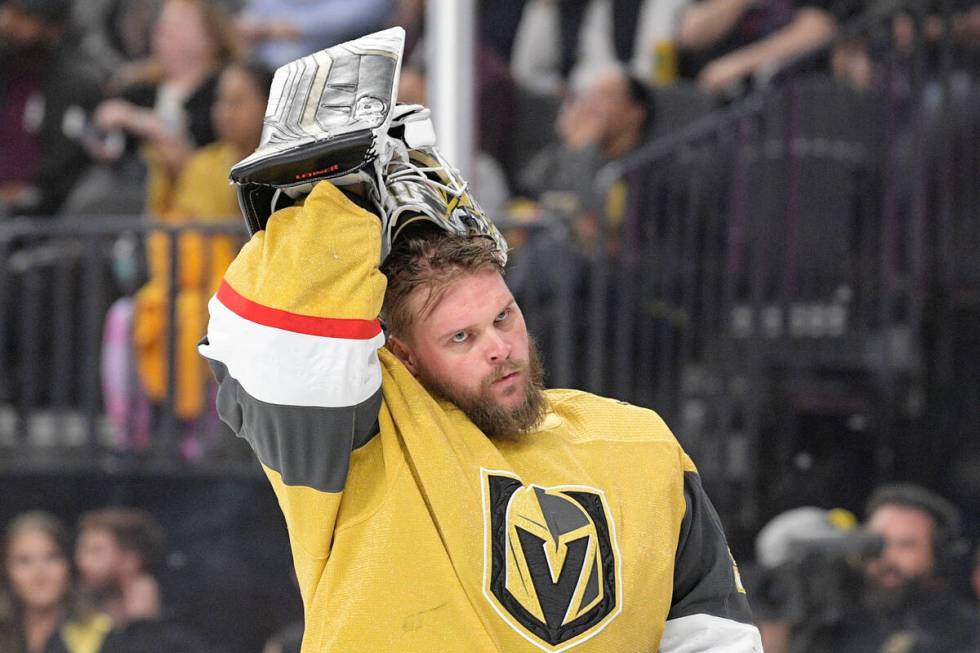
column 812, row 561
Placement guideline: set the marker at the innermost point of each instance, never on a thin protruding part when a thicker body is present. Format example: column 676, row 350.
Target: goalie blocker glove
column 325, row 115
column 332, row 115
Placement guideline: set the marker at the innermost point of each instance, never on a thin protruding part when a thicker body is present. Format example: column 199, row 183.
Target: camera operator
column 904, row 602
column 808, row 574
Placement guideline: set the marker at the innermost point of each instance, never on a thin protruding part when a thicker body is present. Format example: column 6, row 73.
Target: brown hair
column 218, row 25
column 946, row 519
column 58, row 533
column 133, row 529
column 430, row 260
column 38, row 520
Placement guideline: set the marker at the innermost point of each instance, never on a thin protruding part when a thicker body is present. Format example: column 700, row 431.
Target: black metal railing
column 778, row 258
column 71, row 301
column 775, row 260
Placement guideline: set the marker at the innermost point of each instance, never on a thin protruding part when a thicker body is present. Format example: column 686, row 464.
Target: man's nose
column 498, row 348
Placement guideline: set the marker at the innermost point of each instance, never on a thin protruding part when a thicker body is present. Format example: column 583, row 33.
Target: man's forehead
column 462, row 295
column 900, row 516
column 97, row 533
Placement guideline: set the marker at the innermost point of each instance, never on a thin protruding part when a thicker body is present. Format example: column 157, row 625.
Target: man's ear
column 402, row 352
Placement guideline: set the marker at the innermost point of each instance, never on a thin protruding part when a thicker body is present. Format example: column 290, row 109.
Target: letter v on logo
column 551, row 560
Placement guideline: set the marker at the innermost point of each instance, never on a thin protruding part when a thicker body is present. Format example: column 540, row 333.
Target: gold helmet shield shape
column 551, row 561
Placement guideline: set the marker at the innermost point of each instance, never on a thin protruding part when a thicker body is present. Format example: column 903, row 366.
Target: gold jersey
column 410, row 529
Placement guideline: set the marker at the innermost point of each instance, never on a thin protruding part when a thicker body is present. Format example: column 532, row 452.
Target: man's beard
column 881, row 599
column 496, row 421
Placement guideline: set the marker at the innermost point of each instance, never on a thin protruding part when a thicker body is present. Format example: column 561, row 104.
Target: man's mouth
column 509, row 376
column 888, row 577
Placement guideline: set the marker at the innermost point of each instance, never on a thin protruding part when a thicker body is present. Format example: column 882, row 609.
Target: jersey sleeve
column 709, row 611
column 292, row 339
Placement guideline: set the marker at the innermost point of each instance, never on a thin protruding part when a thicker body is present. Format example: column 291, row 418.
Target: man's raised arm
column 293, row 341
column 294, row 332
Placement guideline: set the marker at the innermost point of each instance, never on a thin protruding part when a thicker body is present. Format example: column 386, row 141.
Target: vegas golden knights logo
column 551, row 562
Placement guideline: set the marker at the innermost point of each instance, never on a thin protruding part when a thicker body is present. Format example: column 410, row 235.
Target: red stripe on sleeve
column 314, row 326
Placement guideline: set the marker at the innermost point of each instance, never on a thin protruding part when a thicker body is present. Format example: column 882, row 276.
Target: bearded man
column 904, row 598
column 436, row 497
column 908, row 603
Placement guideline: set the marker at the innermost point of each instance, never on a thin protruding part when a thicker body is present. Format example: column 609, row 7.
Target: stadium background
column 787, row 272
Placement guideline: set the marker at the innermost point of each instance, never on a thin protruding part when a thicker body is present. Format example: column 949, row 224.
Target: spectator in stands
column 907, row 602
column 852, row 60
column 279, row 31
column 611, row 117
column 37, row 613
column 116, row 35
column 191, row 43
column 724, row 42
column 116, row 552
column 45, row 86
column 851, row 64
column 198, row 192
column 167, row 112
column 559, row 42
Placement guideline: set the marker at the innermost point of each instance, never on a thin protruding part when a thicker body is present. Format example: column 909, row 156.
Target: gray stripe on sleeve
column 704, row 575
column 308, row 446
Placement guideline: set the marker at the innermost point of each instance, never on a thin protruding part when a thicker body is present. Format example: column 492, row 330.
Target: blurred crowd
column 110, row 104
column 901, row 581
column 88, row 591
column 139, row 108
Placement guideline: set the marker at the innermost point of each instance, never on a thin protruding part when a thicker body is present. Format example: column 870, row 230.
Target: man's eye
column 504, row 314
column 459, row 337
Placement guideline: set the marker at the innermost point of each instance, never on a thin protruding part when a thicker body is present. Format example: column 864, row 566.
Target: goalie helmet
column 419, row 185
column 333, row 116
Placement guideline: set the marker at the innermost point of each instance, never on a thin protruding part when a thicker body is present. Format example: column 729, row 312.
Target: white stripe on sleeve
column 704, row 633
column 283, row 367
